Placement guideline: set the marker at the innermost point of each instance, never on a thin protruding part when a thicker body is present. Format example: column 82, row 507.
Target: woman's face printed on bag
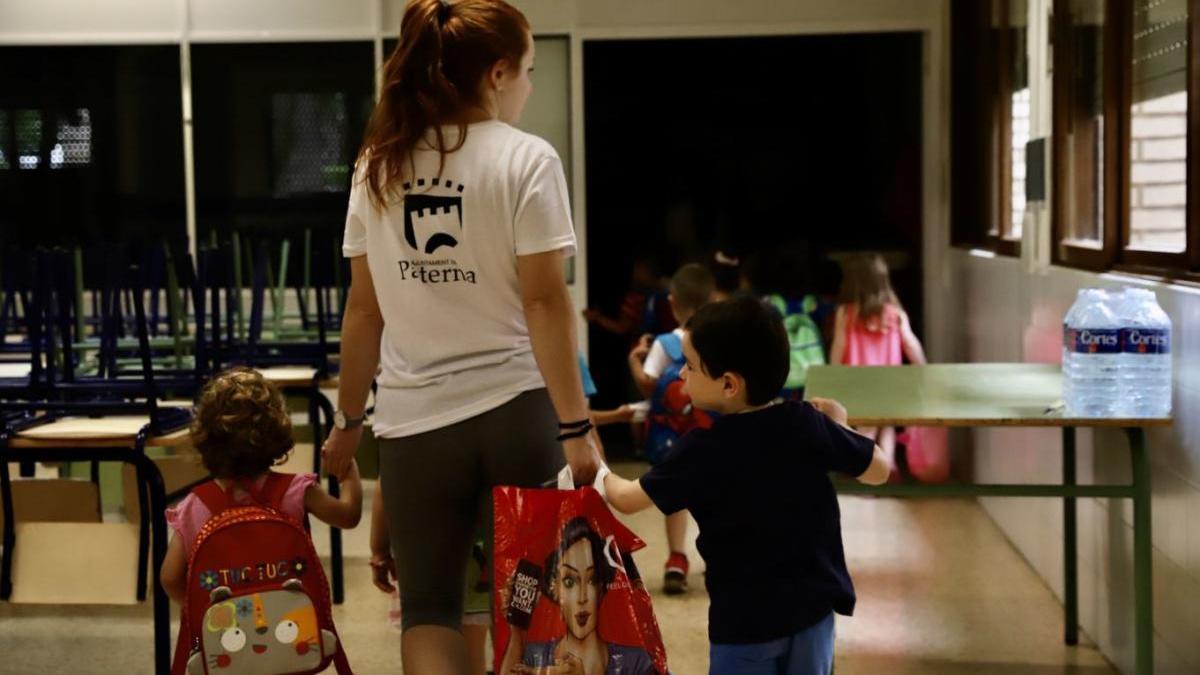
column 578, row 590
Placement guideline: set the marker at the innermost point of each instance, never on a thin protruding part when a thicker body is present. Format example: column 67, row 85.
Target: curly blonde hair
column 241, row 426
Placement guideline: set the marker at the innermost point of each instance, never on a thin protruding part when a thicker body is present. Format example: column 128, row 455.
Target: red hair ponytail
column 434, row 78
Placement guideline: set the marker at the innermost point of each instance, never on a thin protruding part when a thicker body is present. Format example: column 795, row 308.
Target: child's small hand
column 642, row 349
column 832, row 409
column 625, row 413
column 383, row 572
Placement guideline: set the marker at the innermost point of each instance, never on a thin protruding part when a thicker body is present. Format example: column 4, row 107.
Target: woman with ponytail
column 456, row 231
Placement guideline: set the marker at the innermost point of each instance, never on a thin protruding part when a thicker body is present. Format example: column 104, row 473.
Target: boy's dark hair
column 743, row 335
column 241, row 427
column 692, row 286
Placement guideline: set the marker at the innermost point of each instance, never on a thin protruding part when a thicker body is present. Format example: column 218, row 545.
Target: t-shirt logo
column 432, row 221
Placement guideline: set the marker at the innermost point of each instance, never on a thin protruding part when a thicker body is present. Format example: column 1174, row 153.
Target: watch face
column 339, row 419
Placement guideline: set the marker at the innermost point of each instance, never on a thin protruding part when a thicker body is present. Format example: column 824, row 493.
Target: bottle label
column 1097, row 341
column 1145, row 341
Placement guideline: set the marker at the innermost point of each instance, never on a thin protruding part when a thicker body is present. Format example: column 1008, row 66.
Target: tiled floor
column 940, row 592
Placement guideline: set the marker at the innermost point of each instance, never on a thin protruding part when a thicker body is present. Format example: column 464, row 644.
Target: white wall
column 1011, row 310
column 76, row 21
column 1009, row 314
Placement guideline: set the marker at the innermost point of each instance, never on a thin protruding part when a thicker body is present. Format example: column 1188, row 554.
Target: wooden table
column 1003, row 395
column 118, row 438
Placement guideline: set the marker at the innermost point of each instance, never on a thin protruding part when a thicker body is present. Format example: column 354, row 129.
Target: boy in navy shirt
column 758, row 484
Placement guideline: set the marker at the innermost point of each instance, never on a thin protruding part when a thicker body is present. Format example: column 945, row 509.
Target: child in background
column 827, row 284
column 783, row 278
column 241, row 430
column 758, row 484
column 655, row 368
column 872, row 329
column 727, row 275
column 640, row 308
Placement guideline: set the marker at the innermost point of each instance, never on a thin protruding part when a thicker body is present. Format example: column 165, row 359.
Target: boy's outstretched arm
column 626, row 496
column 878, row 471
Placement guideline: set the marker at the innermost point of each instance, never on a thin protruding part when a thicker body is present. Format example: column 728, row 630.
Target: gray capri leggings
column 438, row 491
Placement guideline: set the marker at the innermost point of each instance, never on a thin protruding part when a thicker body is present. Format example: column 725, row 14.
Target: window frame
column 1000, row 175
column 981, row 127
column 1188, row 260
column 1065, row 252
column 1114, row 252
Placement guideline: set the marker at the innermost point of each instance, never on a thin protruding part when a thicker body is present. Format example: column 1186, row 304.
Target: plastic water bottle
column 1081, row 299
column 1095, row 359
column 1145, row 355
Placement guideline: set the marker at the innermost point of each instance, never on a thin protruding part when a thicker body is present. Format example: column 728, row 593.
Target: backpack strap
column 270, row 494
column 275, row 488
column 182, row 646
column 672, row 345
column 212, row 496
column 340, row 662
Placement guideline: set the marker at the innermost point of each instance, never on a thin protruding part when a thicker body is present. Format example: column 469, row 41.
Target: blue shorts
column 808, row 652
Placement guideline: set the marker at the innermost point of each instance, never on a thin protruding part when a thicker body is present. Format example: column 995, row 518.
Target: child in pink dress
column 242, row 429
column 872, row 329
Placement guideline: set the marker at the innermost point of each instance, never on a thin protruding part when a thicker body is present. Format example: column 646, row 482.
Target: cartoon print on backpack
column 261, row 633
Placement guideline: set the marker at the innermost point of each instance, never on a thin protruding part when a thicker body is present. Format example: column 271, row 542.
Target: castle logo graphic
column 432, row 221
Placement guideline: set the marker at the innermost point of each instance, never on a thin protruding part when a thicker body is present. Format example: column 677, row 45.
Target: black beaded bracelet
column 574, row 425
column 578, row 433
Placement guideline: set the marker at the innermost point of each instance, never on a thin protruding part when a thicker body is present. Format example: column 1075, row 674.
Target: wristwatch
column 342, row 422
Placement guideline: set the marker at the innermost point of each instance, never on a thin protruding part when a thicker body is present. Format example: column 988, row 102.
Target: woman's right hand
column 583, row 456
column 337, row 454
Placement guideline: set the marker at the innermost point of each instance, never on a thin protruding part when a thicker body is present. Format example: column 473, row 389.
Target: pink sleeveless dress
column 873, row 343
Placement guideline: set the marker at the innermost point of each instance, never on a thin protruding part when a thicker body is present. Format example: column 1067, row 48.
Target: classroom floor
column 940, row 592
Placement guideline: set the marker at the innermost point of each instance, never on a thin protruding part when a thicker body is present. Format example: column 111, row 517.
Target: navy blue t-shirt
column 770, row 528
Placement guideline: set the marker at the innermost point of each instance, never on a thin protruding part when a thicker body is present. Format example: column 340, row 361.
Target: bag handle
column 566, row 480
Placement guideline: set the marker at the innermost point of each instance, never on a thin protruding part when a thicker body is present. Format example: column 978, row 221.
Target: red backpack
column 671, row 411
column 257, row 600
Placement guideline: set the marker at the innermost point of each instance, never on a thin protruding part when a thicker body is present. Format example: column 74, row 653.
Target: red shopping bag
column 567, row 588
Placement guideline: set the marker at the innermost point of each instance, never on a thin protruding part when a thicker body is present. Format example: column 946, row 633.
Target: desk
column 1003, row 395
column 121, row 439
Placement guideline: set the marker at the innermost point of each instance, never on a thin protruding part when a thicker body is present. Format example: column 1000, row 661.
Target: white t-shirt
column 443, row 259
column 658, row 360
